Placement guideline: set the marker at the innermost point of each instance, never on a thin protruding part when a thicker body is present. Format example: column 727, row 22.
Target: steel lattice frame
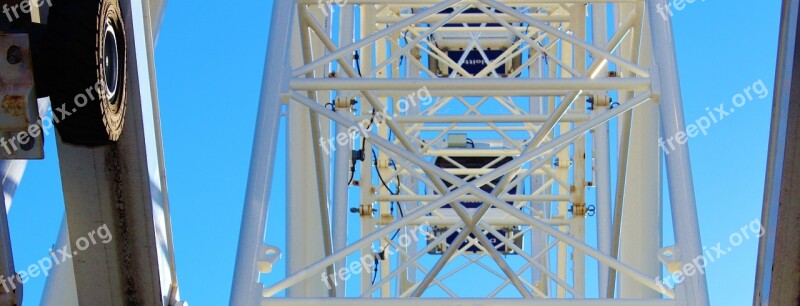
column 537, row 113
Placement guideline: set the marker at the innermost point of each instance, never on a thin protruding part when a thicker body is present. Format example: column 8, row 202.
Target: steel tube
column 461, row 302
column 246, row 287
column 475, row 86
column 446, row 198
column 341, row 168
column 694, row 290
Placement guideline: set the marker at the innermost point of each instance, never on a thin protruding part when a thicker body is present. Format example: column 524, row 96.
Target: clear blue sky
column 210, row 57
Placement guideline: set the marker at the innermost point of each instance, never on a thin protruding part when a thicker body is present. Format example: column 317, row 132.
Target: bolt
column 14, row 55
column 28, row 145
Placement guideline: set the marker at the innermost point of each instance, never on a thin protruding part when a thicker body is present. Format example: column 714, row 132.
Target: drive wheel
column 86, row 54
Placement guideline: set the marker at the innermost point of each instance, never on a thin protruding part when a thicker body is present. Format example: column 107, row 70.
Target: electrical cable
column 358, row 63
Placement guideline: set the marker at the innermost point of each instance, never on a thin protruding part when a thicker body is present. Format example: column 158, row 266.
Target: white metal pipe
column 537, row 183
column 595, row 51
column 341, row 169
column 489, row 93
column 246, row 287
column 499, row 171
column 412, row 258
column 576, row 244
column 307, row 234
column 562, row 108
column 453, row 195
column 493, row 220
column 640, row 238
column 383, row 62
column 600, row 24
column 602, row 181
column 488, row 118
column 462, row 301
column 376, row 104
column 470, row 18
column 510, row 198
column 640, row 41
column 578, row 227
column 475, row 86
column 348, row 50
column 693, row 290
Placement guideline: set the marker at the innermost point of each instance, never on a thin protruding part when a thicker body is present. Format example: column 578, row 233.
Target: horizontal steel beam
column 461, row 302
column 470, row 18
column 493, row 221
column 475, row 85
column 488, row 118
column 511, row 198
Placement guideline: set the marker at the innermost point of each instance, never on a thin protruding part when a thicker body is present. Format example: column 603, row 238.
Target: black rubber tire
column 84, row 111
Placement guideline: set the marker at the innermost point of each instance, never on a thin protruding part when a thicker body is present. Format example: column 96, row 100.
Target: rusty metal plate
column 21, row 134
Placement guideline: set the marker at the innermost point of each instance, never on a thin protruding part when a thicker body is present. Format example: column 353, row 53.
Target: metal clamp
column 269, row 257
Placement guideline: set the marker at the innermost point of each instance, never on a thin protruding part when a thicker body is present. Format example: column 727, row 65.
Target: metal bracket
column 269, row 257
column 21, row 130
column 671, row 258
column 655, row 84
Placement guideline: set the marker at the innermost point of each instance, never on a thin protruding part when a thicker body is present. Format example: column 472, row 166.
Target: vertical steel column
column 578, row 227
column 538, row 239
column 602, row 159
column 367, row 13
column 341, row 167
column 307, row 225
column 246, row 288
column 640, row 238
column 693, row 290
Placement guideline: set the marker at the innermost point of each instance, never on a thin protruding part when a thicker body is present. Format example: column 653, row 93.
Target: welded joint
column 20, row 126
column 671, row 258
column 267, row 258
column 655, row 84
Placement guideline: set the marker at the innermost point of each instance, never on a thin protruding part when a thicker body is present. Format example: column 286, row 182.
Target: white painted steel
column 694, row 290
column 531, row 113
column 246, row 288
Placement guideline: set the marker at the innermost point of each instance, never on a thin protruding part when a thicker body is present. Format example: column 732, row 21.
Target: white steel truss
column 394, row 101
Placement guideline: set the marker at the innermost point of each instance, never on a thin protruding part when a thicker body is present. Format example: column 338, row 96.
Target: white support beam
column 693, row 290
column 461, row 302
column 246, row 289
